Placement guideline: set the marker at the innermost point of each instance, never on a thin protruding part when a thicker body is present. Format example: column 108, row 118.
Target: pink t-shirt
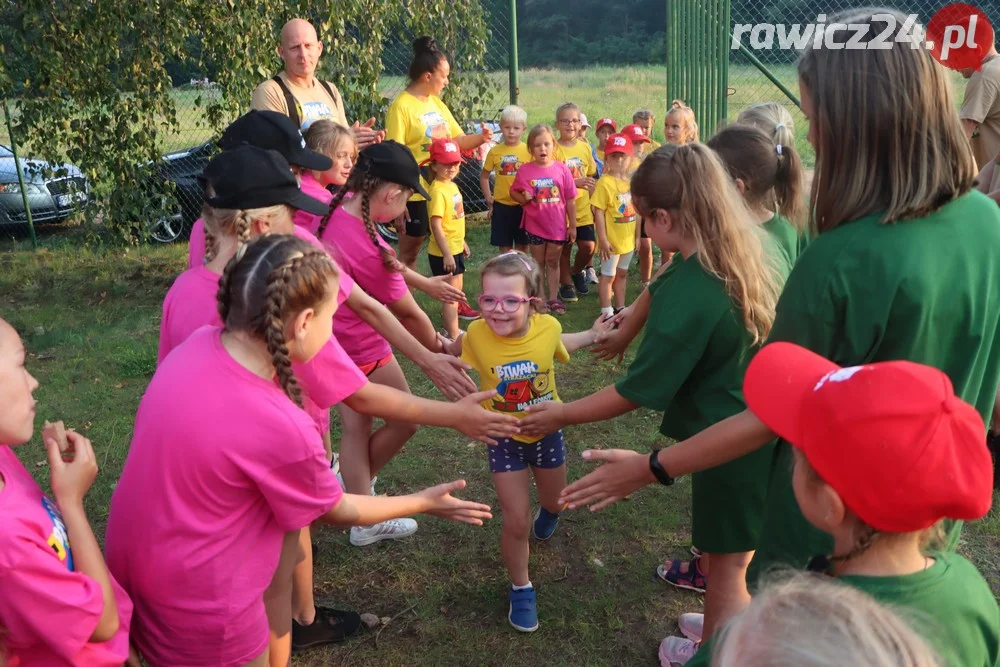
column 359, row 258
column 196, row 244
column 327, row 379
column 222, row 464
column 311, row 187
column 48, row 611
column 551, row 187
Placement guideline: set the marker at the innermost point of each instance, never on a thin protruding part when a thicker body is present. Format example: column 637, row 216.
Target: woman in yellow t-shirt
column 415, row 119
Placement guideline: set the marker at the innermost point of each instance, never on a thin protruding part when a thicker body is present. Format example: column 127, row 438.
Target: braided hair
column 223, row 222
column 269, row 281
column 364, row 185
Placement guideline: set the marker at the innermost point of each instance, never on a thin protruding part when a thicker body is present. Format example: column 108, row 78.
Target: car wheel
column 387, row 231
column 167, row 227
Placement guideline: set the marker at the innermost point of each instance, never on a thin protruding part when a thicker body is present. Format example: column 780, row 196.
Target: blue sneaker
column 545, row 524
column 523, row 613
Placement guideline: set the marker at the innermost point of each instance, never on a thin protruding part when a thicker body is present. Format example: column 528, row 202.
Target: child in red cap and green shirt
column 883, row 453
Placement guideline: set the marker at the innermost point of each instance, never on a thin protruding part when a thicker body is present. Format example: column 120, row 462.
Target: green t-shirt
column 786, row 238
column 949, row 604
column 693, row 355
column 925, row 290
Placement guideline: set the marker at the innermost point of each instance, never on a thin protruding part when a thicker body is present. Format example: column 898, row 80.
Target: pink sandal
column 556, row 306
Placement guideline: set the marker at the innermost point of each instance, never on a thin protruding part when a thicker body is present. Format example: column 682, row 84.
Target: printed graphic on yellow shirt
column 509, row 165
column 546, row 191
column 626, row 211
column 519, row 385
column 59, row 539
column 575, row 166
column 436, row 126
column 459, row 206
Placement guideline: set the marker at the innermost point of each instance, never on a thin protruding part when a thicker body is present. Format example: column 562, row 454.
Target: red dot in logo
column 959, row 36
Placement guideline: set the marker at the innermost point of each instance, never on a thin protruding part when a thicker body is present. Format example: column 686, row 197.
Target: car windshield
column 5, row 152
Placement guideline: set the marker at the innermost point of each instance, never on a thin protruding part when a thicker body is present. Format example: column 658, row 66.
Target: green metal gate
column 698, row 58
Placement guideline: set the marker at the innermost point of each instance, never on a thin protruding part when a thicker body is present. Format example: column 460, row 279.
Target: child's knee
column 517, row 524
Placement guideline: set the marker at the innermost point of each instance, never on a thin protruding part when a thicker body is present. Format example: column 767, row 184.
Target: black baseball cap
column 250, row 177
column 392, row 161
column 276, row 132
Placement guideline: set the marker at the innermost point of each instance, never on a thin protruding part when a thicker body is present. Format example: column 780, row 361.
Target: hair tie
column 778, row 148
column 779, row 126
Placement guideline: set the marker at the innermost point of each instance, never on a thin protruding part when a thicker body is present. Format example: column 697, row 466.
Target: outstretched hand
column 365, row 134
column 448, row 373
column 445, row 506
column 543, row 418
column 439, row 288
column 624, row 472
column 482, row 424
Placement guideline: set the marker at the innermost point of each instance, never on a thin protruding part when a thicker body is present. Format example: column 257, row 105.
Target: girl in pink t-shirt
column 385, row 177
column 223, row 472
column 59, row 606
column 545, row 188
column 337, row 143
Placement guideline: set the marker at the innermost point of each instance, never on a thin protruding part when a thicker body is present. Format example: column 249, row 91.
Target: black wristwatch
column 658, row 472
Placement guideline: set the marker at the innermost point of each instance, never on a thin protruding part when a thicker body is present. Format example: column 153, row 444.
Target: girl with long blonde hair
column 708, row 314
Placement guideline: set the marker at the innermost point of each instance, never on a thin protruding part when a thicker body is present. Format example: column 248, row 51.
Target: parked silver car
column 54, row 191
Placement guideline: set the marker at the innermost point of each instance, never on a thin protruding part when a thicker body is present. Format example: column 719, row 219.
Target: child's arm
column 552, row 416
column 571, row 219
column 603, row 247
column 438, row 230
column 985, row 178
column 522, row 197
column 435, row 287
column 360, row 510
column 581, row 339
column 466, row 416
column 414, row 336
column 484, row 185
column 70, row 480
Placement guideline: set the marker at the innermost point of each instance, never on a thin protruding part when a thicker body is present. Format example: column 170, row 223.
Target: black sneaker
column 330, row 627
column 567, row 293
column 580, row 282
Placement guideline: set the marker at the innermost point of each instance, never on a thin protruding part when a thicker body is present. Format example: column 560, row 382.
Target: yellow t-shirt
column 581, row 164
column 612, row 196
column 600, row 154
column 446, row 203
column 522, row 370
column 416, row 123
column 505, row 161
column 651, row 146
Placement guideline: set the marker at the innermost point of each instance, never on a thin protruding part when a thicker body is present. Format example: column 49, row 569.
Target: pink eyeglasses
column 508, row 304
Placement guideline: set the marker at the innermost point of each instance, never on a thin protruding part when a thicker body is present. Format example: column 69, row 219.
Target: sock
column 607, row 311
column 521, row 588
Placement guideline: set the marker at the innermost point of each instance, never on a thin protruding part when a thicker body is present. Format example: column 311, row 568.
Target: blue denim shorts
column 509, row 455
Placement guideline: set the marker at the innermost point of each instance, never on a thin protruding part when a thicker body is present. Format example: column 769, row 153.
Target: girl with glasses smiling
column 513, row 348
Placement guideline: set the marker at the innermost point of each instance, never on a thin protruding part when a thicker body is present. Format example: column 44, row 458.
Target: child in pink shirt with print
column 545, row 188
column 337, row 143
column 223, row 472
column 59, row 606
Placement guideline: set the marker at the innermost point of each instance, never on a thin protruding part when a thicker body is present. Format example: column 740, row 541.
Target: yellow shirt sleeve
column 439, row 204
column 602, row 194
column 397, row 121
column 490, row 163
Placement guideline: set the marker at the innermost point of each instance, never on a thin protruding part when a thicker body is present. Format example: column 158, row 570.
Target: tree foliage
column 92, row 80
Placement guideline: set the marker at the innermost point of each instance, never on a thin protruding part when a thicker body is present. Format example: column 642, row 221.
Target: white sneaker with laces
column 676, row 651
column 592, row 276
column 692, row 625
column 393, row 529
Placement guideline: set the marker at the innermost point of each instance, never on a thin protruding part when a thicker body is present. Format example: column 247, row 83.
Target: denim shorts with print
column 509, row 455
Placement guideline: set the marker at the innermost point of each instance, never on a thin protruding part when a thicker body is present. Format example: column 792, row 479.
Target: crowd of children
column 835, row 429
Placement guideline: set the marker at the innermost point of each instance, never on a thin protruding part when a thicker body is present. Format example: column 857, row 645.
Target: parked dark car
column 183, row 167
column 54, row 191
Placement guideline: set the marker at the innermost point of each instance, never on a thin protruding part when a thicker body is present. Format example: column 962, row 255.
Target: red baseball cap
column 444, row 151
column 891, row 438
column 618, row 143
column 635, row 133
column 606, row 121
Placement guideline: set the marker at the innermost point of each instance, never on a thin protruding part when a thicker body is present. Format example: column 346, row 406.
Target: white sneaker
column 691, row 626
column 676, row 651
column 335, row 463
column 592, row 276
column 373, row 485
column 393, row 529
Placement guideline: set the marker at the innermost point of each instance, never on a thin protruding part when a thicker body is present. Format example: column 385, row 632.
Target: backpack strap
column 333, row 93
column 290, row 101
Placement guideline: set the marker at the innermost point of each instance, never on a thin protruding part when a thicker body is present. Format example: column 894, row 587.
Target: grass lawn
column 90, row 321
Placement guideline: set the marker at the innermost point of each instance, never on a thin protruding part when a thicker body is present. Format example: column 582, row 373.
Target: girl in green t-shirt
column 769, row 176
column 708, row 314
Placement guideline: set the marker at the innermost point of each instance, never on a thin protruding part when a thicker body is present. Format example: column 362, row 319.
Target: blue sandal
column 692, row 580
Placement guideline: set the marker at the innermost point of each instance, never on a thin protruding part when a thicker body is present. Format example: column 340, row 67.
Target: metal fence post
column 512, row 53
column 20, row 175
column 698, row 58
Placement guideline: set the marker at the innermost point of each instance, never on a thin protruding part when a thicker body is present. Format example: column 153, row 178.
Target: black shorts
column 538, row 240
column 420, row 222
column 587, row 233
column 505, row 226
column 437, row 265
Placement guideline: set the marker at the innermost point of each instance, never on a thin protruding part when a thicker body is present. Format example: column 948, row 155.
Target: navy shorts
column 510, row 455
column 538, row 240
column 586, row 233
column 505, row 226
column 437, row 265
